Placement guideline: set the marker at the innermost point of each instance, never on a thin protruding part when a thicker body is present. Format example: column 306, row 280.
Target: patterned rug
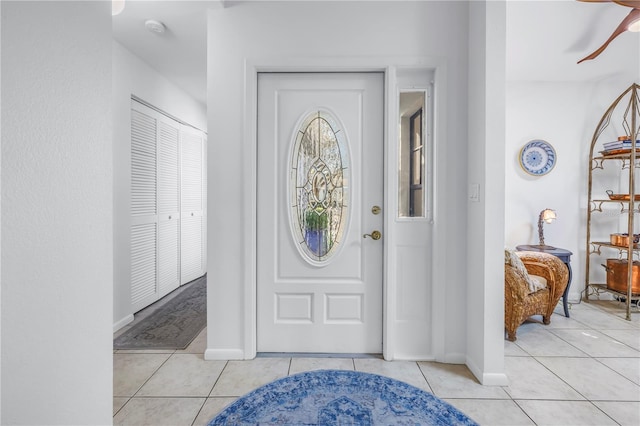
column 339, row 397
column 174, row 324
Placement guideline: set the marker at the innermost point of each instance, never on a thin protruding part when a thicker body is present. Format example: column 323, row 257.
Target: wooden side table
column 562, row 254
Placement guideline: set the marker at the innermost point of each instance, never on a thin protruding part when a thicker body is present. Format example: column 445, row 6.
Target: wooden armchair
column 519, row 301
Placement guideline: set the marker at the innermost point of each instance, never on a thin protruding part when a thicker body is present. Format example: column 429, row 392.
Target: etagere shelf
column 623, row 115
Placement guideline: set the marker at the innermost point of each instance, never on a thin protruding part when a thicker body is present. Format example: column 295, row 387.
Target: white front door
column 320, row 178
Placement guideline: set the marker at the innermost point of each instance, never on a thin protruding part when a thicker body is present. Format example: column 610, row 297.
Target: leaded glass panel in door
column 319, row 192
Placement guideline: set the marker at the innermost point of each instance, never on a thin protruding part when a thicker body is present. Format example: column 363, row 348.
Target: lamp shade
column 548, row 215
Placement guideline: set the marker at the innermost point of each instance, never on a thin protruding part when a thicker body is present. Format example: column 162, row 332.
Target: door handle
column 376, row 235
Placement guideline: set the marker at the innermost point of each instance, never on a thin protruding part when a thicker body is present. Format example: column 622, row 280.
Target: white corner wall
column 57, row 212
column 559, row 101
column 485, row 216
column 313, row 32
column 132, row 76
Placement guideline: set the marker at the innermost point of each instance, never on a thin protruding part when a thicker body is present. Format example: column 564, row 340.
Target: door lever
column 376, row 235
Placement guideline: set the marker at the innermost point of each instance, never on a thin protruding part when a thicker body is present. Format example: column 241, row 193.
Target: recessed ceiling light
column 154, row 26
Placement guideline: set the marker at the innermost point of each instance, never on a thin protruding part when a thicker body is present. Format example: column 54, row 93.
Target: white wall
column 57, row 212
column 349, row 30
column 0, row 217
column 131, row 76
column 551, row 97
column 485, row 274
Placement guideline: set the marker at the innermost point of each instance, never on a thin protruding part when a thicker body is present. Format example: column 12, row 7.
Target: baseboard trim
column 454, row 358
column 488, row 379
column 495, row 379
column 223, row 354
column 412, row 357
column 123, row 322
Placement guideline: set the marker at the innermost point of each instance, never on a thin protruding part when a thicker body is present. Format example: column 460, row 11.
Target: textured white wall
column 131, row 76
column 56, row 213
column 312, row 30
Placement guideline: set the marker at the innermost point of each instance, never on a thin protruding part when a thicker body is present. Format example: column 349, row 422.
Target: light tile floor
column 583, row 370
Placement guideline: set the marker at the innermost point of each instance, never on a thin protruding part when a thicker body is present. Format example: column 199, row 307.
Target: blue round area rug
column 339, row 397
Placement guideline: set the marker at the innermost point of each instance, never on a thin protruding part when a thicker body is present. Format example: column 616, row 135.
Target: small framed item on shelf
column 621, row 146
column 537, row 157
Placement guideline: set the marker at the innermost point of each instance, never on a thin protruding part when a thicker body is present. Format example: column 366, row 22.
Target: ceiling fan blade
column 631, row 17
column 627, row 3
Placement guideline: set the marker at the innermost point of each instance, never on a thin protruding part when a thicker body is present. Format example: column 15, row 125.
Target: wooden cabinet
column 612, row 213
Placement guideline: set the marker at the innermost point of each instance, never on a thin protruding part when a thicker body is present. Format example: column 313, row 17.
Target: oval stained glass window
column 318, row 186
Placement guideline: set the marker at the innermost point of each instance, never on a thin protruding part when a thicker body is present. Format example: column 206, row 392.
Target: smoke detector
column 154, row 26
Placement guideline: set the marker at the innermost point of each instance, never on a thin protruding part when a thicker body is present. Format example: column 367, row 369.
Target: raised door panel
column 192, row 172
column 143, row 164
column 168, row 257
column 191, row 205
column 143, row 265
column 144, row 230
column 168, row 178
column 191, row 248
column 168, row 206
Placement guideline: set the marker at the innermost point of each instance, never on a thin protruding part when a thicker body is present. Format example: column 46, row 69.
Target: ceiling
column 180, row 54
column 544, row 40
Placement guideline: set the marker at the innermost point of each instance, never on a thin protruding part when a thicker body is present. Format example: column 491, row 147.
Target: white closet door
column 168, row 220
column 192, row 223
column 143, row 210
column 169, row 208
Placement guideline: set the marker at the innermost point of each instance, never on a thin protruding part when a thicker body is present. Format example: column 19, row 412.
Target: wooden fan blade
column 631, row 17
column 627, row 3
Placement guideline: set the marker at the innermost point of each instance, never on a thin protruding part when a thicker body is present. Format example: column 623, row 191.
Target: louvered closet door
column 192, row 223
column 169, row 208
column 144, row 232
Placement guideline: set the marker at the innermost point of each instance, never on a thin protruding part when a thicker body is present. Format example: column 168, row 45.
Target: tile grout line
column 123, row 405
column 425, row 378
column 152, row 374
column 215, row 382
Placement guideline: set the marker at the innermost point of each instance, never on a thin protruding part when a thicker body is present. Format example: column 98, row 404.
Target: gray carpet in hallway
column 173, row 325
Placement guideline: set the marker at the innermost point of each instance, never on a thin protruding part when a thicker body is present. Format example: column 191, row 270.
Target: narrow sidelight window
column 412, row 173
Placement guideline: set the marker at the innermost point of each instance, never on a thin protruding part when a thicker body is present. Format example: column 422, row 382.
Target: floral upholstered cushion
column 534, row 282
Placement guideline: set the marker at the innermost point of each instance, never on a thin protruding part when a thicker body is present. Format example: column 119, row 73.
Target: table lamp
column 546, row 215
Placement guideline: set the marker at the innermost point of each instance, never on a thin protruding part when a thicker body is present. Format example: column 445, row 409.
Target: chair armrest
column 548, row 266
column 516, row 288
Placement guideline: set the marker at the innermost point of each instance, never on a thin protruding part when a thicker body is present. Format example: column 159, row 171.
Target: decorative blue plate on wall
column 537, row 157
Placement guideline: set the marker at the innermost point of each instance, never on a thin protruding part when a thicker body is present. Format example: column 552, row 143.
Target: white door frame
column 388, row 66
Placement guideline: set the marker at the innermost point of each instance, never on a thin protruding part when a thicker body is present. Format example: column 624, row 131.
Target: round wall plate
column 537, row 157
